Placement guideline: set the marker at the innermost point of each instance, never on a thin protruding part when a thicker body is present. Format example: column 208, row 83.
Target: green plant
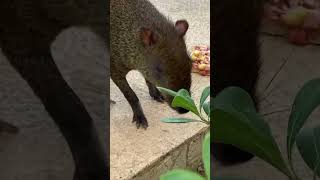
column 236, row 122
column 183, row 99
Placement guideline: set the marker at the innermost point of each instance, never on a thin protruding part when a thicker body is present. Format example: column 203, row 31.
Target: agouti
column 236, row 54
column 145, row 40
column 27, row 30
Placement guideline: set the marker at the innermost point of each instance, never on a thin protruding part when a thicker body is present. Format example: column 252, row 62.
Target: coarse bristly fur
column 235, row 30
column 143, row 39
column 27, row 30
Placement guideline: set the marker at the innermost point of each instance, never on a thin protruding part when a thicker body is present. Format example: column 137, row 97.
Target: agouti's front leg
column 41, row 73
column 138, row 115
column 154, row 92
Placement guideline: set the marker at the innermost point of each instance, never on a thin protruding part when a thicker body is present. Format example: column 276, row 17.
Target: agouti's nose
column 182, row 111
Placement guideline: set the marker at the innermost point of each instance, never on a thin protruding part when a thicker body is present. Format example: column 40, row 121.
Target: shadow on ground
column 39, row 152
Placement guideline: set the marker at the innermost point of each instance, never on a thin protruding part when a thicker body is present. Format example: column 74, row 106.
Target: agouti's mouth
column 181, row 110
column 178, row 109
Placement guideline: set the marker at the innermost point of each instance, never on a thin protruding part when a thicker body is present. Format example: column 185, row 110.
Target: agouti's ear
column 148, row 37
column 182, row 27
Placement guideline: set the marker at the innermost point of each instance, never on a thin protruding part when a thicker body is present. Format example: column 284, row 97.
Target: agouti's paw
column 156, row 95
column 112, row 101
column 8, row 128
column 140, row 121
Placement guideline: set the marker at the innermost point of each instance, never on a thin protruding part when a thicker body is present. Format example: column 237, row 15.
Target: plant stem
column 203, row 119
column 292, row 170
column 315, row 170
column 205, row 122
column 200, row 121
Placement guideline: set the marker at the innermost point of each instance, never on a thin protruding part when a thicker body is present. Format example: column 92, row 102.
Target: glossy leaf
column 180, row 174
column 205, row 94
column 307, row 99
column 178, row 120
column 239, row 100
column 308, row 143
column 183, row 100
column 167, row 91
column 237, row 123
column 206, row 107
column 206, row 154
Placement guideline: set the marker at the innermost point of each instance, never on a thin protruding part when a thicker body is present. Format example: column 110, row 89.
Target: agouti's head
column 167, row 61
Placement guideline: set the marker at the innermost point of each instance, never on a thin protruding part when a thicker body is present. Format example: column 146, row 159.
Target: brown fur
column 27, row 30
column 143, row 39
column 235, row 58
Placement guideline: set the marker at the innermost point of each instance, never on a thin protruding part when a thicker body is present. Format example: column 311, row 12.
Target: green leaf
column 206, row 108
column 167, row 91
column 206, row 154
column 178, row 120
column 308, row 143
column 237, row 123
column 239, row 100
column 180, row 174
column 307, row 99
column 204, row 96
column 184, row 93
column 236, row 97
column 232, row 127
column 183, row 100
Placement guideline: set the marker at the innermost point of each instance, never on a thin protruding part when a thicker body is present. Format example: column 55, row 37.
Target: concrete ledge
column 187, row 156
column 145, row 154
column 303, row 65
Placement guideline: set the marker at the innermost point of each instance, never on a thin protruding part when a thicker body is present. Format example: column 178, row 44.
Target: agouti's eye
column 159, row 69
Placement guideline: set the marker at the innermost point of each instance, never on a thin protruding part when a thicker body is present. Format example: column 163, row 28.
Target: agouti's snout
column 181, row 110
column 178, row 109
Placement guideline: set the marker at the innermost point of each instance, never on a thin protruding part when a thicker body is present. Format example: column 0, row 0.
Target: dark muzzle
column 181, row 110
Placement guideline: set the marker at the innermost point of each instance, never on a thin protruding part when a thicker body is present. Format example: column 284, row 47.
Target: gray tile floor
column 303, row 64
